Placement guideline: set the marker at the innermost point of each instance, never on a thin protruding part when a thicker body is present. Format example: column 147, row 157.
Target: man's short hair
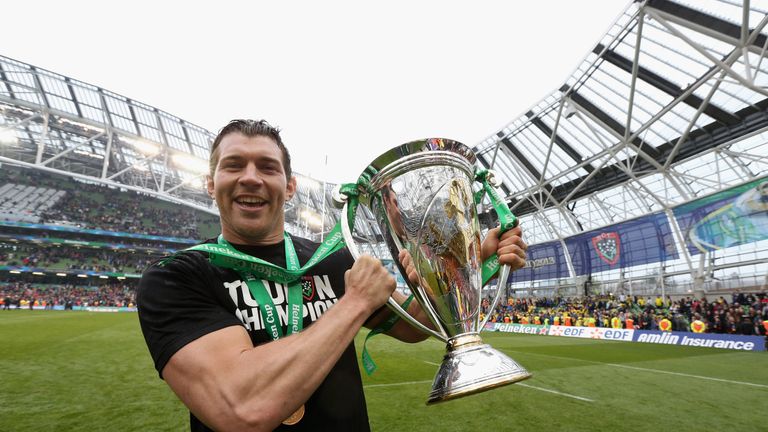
column 250, row 128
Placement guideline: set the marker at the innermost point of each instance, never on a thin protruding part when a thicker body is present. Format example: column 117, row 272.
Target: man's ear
column 209, row 186
column 290, row 188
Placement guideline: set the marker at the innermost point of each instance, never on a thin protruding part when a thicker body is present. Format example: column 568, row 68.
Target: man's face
column 250, row 188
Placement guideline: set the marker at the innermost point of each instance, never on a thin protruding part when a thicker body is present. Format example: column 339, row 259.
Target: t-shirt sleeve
column 177, row 304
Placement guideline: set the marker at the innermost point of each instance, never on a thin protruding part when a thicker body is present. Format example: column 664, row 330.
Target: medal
column 295, row 417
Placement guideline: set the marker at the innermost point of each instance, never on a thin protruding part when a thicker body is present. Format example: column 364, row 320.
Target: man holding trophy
column 254, row 330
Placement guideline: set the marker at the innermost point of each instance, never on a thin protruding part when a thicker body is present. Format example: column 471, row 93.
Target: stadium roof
column 660, row 112
column 52, row 122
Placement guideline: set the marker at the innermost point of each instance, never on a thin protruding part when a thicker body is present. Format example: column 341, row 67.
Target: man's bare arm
column 232, row 386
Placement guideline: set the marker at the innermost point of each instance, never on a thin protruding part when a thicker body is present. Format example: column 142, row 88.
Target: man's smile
column 251, row 202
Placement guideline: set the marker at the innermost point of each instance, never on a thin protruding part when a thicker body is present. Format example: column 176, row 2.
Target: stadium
column 641, row 182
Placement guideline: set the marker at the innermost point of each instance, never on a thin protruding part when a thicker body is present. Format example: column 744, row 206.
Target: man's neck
column 268, row 240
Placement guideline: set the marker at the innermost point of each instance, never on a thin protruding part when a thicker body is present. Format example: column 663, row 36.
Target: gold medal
column 295, row 417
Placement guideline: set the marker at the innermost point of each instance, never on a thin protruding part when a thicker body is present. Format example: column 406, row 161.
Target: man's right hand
column 369, row 283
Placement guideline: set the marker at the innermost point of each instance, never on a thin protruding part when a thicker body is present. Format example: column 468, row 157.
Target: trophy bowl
column 421, row 195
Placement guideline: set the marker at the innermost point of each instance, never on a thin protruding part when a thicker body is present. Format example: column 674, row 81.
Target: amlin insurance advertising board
column 706, row 340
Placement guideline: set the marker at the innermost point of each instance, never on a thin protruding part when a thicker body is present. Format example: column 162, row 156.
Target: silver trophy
column 421, row 194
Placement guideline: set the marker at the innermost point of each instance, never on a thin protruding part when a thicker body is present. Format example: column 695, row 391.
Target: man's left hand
column 510, row 247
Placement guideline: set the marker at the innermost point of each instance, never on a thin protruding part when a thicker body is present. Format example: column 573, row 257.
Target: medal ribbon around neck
column 260, row 292
column 253, row 270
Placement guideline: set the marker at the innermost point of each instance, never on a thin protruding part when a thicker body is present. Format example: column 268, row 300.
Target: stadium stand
column 25, row 203
column 745, row 314
column 94, row 206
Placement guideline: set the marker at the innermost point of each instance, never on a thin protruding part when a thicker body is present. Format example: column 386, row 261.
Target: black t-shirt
column 184, row 298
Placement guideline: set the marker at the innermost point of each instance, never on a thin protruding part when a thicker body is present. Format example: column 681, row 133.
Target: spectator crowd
column 743, row 313
column 71, row 258
column 26, row 295
column 94, row 206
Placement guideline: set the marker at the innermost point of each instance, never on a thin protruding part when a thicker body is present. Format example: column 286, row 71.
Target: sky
column 344, row 80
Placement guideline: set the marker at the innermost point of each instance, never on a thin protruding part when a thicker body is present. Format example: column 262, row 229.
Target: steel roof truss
column 739, row 155
column 703, row 51
column 737, row 165
column 70, row 149
column 672, row 89
column 684, row 136
column 709, row 25
column 598, row 116
column 136, row 163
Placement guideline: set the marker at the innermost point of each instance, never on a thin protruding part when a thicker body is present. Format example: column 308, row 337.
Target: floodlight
column 8, row 136
column 311, row 218
column 144, row 147
column 190, row 164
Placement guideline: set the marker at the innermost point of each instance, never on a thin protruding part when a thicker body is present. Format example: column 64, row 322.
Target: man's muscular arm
column 233, row 386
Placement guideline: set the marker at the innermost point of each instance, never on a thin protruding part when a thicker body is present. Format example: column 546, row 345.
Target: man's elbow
column 247, row 417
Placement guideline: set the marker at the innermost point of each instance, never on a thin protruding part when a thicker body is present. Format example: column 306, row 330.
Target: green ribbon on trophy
column 507, row 220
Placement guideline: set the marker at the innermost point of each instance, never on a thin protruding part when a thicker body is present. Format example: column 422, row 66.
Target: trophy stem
column 471, row 366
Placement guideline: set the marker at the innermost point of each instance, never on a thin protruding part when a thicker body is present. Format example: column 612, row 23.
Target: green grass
column 79, row 371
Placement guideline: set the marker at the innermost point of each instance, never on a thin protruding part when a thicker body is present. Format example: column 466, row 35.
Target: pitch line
column 646, row 369
column 555, row 392
column 688, row 375
column 431, row 363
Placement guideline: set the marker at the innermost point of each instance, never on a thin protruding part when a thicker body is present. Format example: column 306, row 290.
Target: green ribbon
column 253, row 270
column 228, row 257
column 266, row 306
column 368, row 364
column 507, row 220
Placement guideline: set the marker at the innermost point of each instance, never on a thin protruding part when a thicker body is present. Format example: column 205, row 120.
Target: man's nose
column 251, row 175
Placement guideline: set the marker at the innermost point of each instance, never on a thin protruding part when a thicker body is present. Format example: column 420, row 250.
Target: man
column 215, row 332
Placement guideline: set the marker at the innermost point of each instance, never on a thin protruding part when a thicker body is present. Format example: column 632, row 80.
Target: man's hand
column 410, row 270
column 369, row 282
column 510, row 248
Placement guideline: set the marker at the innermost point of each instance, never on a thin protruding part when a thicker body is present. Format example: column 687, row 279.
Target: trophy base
column 470, row 367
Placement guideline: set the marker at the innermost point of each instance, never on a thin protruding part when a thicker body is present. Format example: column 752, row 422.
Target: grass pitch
column 81, row 371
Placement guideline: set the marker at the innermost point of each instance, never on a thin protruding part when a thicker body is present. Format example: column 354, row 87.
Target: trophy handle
column 490, row 183
column 503, row 276
column 346, row 232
